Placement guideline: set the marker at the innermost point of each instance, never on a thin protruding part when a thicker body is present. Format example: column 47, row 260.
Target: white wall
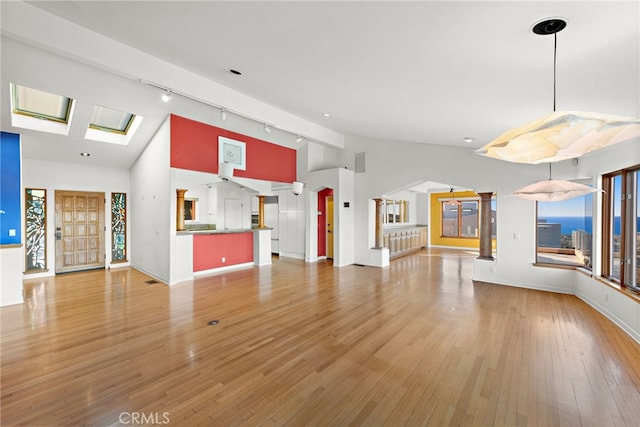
column 621, row 309
column 422, row 209
column 153, row 207
column 241, row 215
column 73, row 177
column 341, row 180
column 11, row 287
column 291, row 224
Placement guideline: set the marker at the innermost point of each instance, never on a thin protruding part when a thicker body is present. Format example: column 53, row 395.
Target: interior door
column 330, row 227
column 79, row 231
column 232, row 214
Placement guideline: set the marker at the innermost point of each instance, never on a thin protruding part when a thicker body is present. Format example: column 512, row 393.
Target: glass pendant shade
column 553, row 190
column 560, row 136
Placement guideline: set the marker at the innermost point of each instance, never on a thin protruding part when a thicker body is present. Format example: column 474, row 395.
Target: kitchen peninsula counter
column 205, row 251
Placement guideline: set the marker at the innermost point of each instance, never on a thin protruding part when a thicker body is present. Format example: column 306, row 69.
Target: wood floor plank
column 417, row 343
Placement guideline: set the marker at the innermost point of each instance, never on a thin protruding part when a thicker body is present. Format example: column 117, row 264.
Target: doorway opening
column 325, row 224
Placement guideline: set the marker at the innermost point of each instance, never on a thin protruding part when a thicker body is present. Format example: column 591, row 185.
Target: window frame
column 97, row 109
column 191, row 205
column 628, row 203
column 559, row 263
column 17, row 107
column 459, row 218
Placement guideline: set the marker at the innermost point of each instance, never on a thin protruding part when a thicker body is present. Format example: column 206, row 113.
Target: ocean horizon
column 584, row 223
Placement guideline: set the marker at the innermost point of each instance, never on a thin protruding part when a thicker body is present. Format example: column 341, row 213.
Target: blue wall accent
column 10, row 189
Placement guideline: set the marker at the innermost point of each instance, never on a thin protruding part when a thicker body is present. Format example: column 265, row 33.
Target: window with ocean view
column 564, row 231
column 621, row 227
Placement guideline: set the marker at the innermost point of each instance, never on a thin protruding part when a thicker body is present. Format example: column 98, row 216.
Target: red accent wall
column 194, row 146
column 322, row 220
column 208, row 250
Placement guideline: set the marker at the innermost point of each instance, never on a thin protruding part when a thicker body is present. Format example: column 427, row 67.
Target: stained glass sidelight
column 118, row 227
column 36, row 230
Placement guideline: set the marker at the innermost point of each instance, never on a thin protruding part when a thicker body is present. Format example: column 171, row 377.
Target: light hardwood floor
column 308, row 344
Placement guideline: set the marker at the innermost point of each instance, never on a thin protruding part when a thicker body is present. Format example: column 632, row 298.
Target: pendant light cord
column 555, row 49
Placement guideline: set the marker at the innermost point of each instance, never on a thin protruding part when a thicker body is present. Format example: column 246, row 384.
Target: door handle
column 58, row 233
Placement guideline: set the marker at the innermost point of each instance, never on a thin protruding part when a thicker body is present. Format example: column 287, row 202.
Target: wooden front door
column 79, row 231
column 330, row 227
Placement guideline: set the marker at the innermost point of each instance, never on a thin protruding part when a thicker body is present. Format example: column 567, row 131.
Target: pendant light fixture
column 553, row 190
column 453, row 201
column 560, row 135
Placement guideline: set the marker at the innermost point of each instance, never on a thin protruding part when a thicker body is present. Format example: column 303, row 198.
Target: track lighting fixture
column 168, row 93
column 225, row 171
column 297, row 187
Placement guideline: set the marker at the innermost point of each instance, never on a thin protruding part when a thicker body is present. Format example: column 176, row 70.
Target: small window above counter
column 395, row 211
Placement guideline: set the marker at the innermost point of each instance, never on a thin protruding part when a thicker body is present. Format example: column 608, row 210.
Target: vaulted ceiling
column 425, row 72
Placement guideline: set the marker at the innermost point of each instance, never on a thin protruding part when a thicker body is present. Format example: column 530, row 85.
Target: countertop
column 234, row 231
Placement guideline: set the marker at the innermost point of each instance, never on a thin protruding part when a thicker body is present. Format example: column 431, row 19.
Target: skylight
column 41, row 105
column 109, row 120
column 39, row 110
column 112, row 126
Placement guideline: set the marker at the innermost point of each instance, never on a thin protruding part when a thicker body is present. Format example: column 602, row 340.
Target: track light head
column 297, row 188
column 299, row 139
column 223, row 114
column 266, row 128
column 166, row 97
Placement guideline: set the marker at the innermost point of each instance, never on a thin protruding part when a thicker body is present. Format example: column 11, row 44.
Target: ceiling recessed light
column 85, row 154
column 236, row 72
column 326, row 115
column 468, row 140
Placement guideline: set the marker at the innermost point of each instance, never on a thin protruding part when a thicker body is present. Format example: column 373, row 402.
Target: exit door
column 79, row 231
